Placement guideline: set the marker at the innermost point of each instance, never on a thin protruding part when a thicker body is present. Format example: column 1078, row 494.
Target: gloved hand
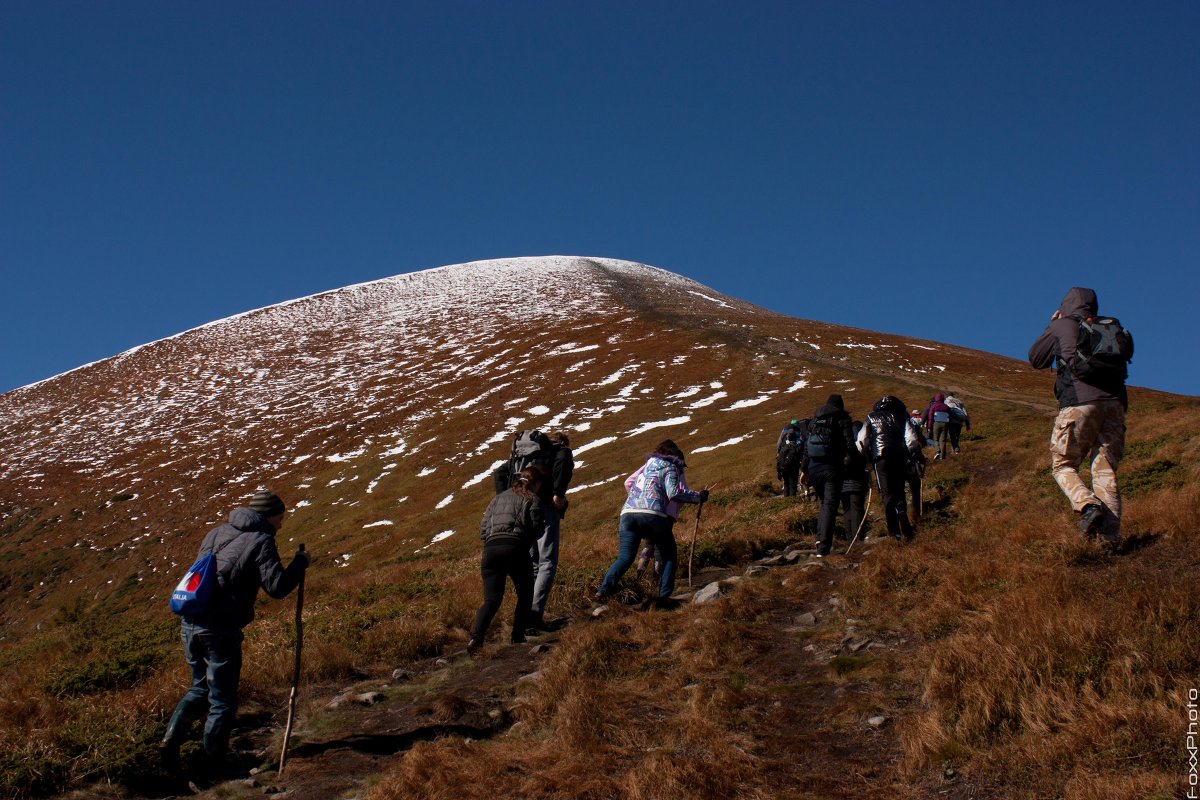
column 304, row 558
column 704, row 495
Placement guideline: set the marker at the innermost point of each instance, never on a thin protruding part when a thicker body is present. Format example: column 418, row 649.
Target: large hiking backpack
column 823, row 442
column 958, row 412
column 789, row 456
column 528, row 447
column 1102, row 349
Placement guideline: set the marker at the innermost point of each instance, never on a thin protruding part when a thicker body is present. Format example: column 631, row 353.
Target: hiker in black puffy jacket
column 510, row 526
column 827, row 446
column 1091, row 417
column 247, row 560
column 890, row 441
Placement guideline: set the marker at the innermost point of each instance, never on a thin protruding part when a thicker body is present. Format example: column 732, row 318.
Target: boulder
column 708, row 594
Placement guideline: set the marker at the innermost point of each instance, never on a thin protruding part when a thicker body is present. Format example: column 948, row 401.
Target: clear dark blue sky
column 943, row 170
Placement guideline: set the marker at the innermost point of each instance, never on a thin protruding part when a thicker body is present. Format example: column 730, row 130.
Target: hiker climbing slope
column 544, row 551
column 655, row 492
column 510, row 526
column 937, row 420
column 828, row 442
column 789, row 457
column 890, row 441
column 959, row 418
column 1091, row 353
column 246, row 560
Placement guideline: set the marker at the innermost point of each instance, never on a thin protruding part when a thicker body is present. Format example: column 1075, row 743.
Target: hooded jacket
column 1057, row 344
column 833, row 413
column 246, row 560
column 889, row 433
column 936, row 405
column 658, row 488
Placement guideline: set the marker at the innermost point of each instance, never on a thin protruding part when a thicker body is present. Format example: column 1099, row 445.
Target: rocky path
column 817, row 724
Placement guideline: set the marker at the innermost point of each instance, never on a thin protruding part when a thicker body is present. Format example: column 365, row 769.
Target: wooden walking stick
column 287, row 731
column 863, row 521
column 692, row 548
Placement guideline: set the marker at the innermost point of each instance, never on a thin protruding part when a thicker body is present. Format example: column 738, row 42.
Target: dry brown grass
column 643, row 707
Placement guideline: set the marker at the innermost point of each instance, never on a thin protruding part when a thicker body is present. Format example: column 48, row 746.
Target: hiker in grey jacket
column 247, row 560
column 1091, row 417
column 510, row 526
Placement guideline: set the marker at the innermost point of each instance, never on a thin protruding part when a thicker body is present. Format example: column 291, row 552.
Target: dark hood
column 890, row 403
column 245, row 519
column 835, row 400
column 1079, row 302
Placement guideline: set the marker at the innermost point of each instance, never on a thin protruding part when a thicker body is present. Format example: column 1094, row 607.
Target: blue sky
column 943, row 170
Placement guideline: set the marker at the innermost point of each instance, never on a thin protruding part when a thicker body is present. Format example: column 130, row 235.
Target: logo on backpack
column 196, row 592
column 1102, row 350
column 191, row 597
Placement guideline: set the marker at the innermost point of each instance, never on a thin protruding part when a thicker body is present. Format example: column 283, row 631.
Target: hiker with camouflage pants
column 1091, row 353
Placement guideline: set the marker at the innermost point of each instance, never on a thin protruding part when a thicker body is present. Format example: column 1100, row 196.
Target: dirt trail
column 820, row 729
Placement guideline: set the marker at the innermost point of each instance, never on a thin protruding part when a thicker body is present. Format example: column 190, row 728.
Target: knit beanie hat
column 836, row 401
column 267, row 503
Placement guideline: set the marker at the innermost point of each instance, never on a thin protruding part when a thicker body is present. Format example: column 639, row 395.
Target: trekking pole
column 863, row 521
column 692, row 548
column 287, row 731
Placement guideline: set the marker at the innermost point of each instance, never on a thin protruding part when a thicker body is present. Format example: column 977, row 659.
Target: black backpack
column 823, row 442
column 789, row 456
column 1102, row 349
column 528, row 447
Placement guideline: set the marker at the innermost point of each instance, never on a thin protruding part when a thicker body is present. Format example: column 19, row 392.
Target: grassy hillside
column 1034, row 665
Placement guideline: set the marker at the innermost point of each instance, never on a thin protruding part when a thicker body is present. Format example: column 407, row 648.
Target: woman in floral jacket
column 655, row 493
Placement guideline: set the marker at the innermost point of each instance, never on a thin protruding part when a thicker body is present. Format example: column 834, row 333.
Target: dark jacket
column 509, row 518
column 246, row 560
column 832, row 413
column 889, row 434
column 1057, row 343
column 855, row 478
column 561, row 471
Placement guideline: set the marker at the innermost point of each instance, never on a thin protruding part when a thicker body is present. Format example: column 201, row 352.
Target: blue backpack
column 194, row 593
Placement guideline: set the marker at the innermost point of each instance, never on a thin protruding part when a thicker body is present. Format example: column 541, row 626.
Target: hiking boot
column 1090, row 519
column 517, row 640
column 666, row 604
column 473, row 645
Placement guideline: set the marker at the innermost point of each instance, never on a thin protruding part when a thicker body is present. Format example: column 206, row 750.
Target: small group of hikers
column 835, row 456
column 943, row 421
column 520, row 528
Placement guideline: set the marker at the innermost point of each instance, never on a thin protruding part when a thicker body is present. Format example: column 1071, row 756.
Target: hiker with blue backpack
column 244, row 560
column 654, row 495
column 828, row 443
column 959, row 418
column 1091, row 353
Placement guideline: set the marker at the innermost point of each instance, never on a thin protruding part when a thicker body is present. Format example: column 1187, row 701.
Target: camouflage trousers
column 1095, row 431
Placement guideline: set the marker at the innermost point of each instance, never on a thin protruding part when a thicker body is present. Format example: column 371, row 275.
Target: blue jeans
column 214, row 656
column 544, row 555
column 655, row 530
